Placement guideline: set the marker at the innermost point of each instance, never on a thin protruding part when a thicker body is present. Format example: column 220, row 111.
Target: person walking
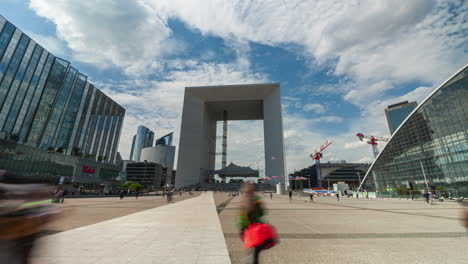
column 338, row 196
column 136, row 195
column 311, row 197
column 251, row 213
column 271, row 196
column 290, row 196
column 121, row 194
column 62, row 196
column 426, row 195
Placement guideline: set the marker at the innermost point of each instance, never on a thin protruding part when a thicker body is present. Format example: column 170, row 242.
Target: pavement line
column 395, row 212
column 378, row 210
column 223, row 205
column 361, row 235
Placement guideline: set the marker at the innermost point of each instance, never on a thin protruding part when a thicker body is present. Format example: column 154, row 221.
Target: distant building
column 143, row 139
column 146, row 173
column 342, row 172
column 161, row 154
column 397, row 113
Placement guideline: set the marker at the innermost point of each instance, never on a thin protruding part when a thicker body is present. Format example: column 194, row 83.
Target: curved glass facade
column 431, row 144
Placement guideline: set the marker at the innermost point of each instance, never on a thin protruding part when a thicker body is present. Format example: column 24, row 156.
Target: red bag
column 259, row 234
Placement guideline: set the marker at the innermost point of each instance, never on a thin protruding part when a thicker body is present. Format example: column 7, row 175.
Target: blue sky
column 339, row 62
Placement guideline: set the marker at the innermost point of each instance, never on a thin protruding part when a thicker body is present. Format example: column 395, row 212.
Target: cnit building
column 53, row 122
column 430, row 148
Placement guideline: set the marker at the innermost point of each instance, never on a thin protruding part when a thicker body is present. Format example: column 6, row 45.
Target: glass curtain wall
column 44, row 102
column 432, row 145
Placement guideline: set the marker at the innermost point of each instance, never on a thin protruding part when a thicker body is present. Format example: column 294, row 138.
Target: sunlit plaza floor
column 203, row 230
column 355, row 231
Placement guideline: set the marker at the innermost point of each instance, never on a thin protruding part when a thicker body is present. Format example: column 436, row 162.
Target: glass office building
column 46, row 103
column 397, row 113
column 143, row 139
column 432, row 143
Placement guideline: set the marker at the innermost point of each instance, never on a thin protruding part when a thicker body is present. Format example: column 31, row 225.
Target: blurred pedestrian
column 271, row 195
column 121, row 194
column 24, row 210
column 253, row 232
column 338, row 196
column 290, row 195
column 62, row 196
column 427, row 197
column 311, row 197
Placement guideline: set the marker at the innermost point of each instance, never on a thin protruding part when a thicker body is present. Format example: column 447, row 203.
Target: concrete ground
column 354, row 231
column 188, row 231
column 79, row 212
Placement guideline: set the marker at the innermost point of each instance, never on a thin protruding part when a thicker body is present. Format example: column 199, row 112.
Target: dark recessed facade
column 431, row 144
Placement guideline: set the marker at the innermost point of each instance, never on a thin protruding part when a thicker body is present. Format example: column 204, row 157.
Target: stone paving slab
column 185, row 232
column 355, row 231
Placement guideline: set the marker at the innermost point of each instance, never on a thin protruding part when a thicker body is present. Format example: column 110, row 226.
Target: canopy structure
column 233, row 170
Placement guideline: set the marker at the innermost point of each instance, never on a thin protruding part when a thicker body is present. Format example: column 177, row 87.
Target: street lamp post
column 359, row 176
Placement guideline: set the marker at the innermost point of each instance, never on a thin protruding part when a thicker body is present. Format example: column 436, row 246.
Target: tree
column 136, row 187
column 132, row 186
column 125, row 186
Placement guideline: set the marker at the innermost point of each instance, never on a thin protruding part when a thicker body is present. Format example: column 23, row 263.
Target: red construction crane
column 317, row 156
column 372, row 140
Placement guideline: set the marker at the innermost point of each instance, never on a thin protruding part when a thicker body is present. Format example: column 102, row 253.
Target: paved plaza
column 203, row 230
column 184, row 232
column 78, row 212
column 356, row 231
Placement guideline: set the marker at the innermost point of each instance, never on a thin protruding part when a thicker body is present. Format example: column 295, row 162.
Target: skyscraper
column 397, row 113
column 143, row 139
column 46, row 103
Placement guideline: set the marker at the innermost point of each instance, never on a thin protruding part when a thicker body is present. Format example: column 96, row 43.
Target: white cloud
column 354, row 144
column 127, row 34
column 158, row 104
column 328, row 119
column 375, row 46
column 369, row 40
column 51, row 43
column 316, row 108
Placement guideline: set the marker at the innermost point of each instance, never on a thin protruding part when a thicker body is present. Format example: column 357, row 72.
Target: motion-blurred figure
column 24, row 210
column 253, row 232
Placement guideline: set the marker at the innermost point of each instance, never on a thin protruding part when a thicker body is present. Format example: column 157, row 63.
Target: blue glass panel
column 21, row 96
column 27, row 111
column 59, row 108
column 15, row 85
column 71, row 113
column 91, row 129
column 51, row 89
column 5, row 37
column 15, row 61
column 88, row 108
